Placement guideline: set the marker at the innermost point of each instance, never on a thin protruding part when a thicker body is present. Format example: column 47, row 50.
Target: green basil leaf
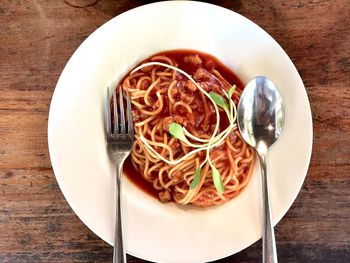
column 195, row 180
column 219, row 100
column 176, row 131
column 230, row 92
column 217, row 180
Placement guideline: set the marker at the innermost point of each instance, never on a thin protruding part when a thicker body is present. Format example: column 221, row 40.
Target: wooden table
column 36, row 40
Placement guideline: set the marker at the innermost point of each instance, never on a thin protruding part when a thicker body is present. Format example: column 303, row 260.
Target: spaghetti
column 172, row 91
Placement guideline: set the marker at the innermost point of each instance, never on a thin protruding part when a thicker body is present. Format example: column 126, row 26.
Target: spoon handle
column 268, row 237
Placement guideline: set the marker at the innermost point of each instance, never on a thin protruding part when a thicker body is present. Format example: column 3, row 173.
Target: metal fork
column 119, row 140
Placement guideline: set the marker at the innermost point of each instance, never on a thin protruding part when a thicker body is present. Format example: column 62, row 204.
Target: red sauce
column 136, row 177
column 208, row 62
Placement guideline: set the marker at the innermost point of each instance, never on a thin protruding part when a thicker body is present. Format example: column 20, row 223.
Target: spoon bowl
column 260, row 113
column 260, row 118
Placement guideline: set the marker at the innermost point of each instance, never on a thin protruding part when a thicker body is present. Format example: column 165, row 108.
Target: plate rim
column 51, row 144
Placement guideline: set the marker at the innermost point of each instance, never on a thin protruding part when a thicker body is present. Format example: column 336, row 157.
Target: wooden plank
column 36, row 40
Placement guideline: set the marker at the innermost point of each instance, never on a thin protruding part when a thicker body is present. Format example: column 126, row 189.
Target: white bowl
column 167, row 232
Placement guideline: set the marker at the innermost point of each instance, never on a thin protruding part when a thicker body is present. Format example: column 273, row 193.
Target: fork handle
column 119, row 255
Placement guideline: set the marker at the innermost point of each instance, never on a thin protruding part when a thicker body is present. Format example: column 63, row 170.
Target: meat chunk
column 164, row 196
column 188, row 98
column 185, row 91
column 189, row 119
column 205, row 85
column 208, row 81
column 176, row 176
column 191, row 86
column 193, row 59
column 209, row 64
column 137, row 116
column 202, row 74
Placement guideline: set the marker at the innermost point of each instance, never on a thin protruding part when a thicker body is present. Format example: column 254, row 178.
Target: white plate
column 166, row 232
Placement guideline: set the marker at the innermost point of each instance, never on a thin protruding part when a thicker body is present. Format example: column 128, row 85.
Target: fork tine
column 129, row 115
column 115, row 113
column 122, row 115
column 108, row 114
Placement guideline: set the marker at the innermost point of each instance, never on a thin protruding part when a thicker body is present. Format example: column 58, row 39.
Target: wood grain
column 36, row 40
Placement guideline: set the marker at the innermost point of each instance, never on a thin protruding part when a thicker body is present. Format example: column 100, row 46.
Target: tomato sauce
column 208, row 63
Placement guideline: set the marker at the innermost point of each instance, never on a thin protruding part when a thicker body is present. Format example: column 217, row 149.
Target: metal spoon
column 260, row 121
